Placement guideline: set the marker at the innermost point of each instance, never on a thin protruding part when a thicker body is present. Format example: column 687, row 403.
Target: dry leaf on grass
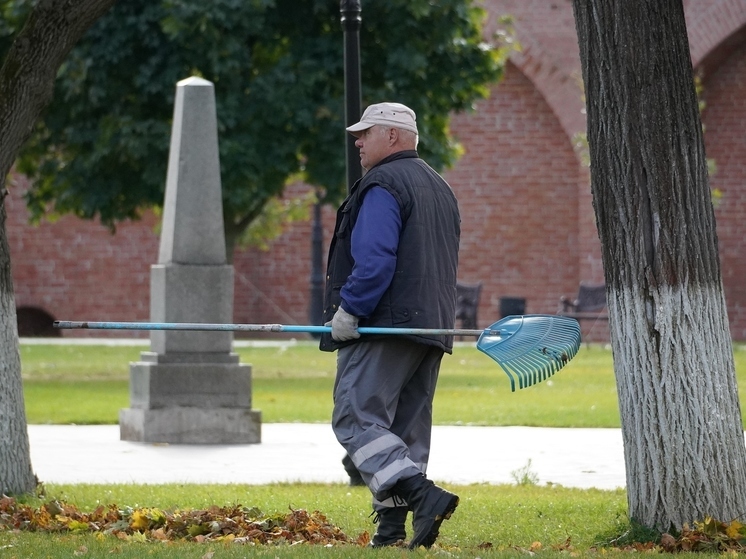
column 232, row 524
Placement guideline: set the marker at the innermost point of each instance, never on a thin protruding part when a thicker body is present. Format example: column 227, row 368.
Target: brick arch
column 517, row 184
column 548, row 56
column 714, row 28
column 560, row 86
column 719, row 55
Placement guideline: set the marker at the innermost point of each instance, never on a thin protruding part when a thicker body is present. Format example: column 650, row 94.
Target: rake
column 529, row 348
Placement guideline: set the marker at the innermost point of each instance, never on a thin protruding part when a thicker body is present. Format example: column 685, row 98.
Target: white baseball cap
column 394, row 115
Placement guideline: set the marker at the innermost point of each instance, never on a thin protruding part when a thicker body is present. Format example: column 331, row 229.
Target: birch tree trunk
column 681, row 420
column 26, row 85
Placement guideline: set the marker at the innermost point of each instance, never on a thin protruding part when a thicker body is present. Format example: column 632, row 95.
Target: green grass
column 89, row 384
column 510, row 518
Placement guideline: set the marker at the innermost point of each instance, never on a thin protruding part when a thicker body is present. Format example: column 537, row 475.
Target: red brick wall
column 274, row 286
column 725, row 140
column 77, row 270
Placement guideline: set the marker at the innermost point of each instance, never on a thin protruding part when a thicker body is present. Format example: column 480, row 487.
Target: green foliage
column 524, row 475
column 636, row 533
column 277, row 213
column 101, row 148
column 12, row 16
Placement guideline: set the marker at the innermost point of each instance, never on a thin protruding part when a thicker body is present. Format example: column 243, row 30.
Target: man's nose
column 359, row 143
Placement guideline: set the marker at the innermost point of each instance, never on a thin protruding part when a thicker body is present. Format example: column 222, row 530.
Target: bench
column 590, row 303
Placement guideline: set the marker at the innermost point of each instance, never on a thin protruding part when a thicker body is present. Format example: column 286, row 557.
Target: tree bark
column 26, row 87
column 681, row 420
column 16, row 475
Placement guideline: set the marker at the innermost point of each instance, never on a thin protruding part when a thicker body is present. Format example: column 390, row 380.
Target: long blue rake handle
column 529, row 348
column 199, row 326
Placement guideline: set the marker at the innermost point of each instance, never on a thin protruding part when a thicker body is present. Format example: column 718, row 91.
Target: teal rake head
column 531, row 348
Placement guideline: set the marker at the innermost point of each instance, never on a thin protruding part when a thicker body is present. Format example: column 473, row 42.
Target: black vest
column 422, row 293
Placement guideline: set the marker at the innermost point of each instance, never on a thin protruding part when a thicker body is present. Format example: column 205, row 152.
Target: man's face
column 374, row 144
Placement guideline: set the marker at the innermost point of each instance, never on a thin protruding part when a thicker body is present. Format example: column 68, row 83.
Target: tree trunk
column 26, row 86
column 681, row 421
column 16, row 475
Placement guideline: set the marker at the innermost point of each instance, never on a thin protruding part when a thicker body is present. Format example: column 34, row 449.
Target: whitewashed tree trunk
column 681, row 420
column 26, row 84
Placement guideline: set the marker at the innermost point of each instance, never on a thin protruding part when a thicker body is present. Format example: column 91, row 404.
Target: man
column 392, row 263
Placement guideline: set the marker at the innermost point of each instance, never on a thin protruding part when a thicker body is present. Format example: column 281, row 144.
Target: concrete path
column 291, row 452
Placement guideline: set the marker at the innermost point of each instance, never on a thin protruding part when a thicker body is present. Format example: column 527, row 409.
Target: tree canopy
column 101, row 148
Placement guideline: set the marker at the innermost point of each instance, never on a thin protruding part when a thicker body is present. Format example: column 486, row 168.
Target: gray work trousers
column 383, row 404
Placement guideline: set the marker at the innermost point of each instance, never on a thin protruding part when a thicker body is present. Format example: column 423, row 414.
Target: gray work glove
column 344, row 326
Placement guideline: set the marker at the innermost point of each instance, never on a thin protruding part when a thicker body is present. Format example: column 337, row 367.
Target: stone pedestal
column 175, row 399
column 190, row 388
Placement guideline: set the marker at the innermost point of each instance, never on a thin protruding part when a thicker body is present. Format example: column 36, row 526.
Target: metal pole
column 351, row 20
column 316, row 308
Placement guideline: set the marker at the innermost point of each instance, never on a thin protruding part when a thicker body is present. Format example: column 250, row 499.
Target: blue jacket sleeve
column 375, row 242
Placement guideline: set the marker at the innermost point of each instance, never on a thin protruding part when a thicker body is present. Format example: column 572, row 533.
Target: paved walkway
column 291, row 452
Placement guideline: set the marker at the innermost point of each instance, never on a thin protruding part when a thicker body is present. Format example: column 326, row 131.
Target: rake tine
column 532, row 348
column 528, row 367
column 535, row 366
column 521, row 370
column 512, row 379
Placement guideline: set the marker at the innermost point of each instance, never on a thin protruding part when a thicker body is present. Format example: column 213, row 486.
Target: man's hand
column 344, row 326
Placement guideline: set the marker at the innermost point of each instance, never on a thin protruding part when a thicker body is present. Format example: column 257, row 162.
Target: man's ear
column 393, row 136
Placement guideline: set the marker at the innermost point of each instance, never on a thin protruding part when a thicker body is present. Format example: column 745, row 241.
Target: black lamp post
column 350, row 11
column 316, row 308
column 350, row 18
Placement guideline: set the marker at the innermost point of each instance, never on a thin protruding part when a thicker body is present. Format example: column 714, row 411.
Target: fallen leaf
column 735, row 530
column 139, row 520
column 668, row 543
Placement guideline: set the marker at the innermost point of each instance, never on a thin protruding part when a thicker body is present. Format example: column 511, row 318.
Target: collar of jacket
column 406, row 154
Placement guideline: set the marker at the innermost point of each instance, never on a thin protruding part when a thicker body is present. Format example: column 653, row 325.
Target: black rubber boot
column 430, row 505
column 391, row 526
column 355, row 478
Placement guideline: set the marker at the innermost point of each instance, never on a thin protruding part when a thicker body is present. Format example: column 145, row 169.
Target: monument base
column 190, row 398
column 190, row 425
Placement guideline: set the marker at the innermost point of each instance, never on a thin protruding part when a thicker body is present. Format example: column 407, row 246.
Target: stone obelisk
column 190, row 387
